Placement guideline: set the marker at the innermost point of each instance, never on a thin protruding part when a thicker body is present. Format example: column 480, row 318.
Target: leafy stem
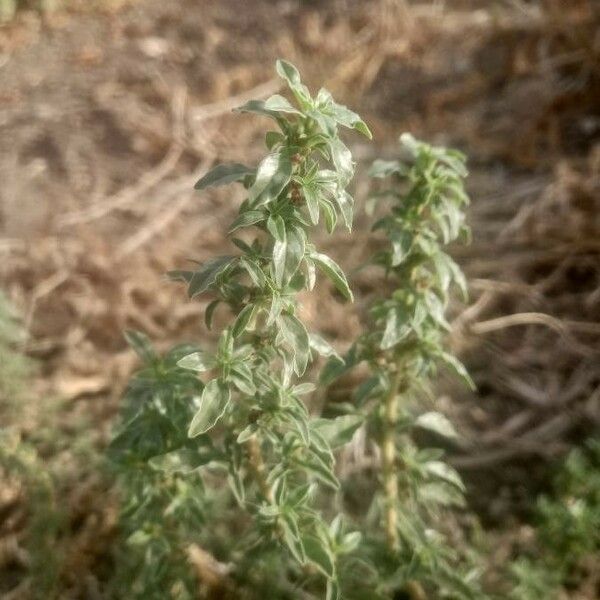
column 388, row 461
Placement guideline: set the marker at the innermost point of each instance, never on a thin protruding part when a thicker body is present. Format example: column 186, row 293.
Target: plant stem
column 390, row 477
column 257, row 464
column 388, row 458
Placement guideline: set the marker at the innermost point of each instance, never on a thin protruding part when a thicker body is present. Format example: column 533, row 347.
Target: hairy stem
column 388, row 458
column 257, row 464
column 390, row 477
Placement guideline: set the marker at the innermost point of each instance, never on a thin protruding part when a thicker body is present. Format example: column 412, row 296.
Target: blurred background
column 110, row 110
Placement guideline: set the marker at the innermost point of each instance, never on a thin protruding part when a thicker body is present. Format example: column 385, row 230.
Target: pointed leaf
column 334, row 273
column 319, row 555
column 213, row 404
column 206, row 276
column 141, row 344
column 197, row 361
column 222, row 175
column 438, row 423
column 272, row 175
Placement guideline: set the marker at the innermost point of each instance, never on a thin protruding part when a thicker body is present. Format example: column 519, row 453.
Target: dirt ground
column 108, row 115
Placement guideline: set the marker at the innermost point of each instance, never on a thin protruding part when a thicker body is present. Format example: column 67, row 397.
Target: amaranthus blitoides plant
column 164, row 504
column 250, row 412
column 403, row 347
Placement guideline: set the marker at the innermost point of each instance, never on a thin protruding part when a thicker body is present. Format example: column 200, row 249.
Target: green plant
column 21, row 467
column 567, row 533
column 249, row 420
column 403, row 347
column 162, row 497
column 14, row 365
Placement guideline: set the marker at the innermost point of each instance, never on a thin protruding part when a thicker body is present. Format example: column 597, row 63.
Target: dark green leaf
column 210, row 311
column 241, row 377
column 320, row 555
column 222, row 175
column 242, row 320
column 272, row 176
column 206, row 276
column 333, row 272
column 339, row 431
column 246, row 219
column 276, row 227
column 142, row 346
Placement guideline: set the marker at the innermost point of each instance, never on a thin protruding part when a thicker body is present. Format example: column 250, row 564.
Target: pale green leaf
column 213, row 404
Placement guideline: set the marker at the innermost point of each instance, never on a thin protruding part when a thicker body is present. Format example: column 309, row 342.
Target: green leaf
column 278, row 103
column 291, row 536
column 296, row 336
column 272, row 176
column 197, row 361
column 236, row 485
column 290, row 74
column 213, row 404
column 384, row 168
column 401, row 245
column 272, row 138
column 247, row 219
column 342, row 159
column 438, row 423
column 318, row 468
column 345, row 203
column 247, row 433
column 395, row 331
column 257, row 107
column 436, row 309
column 303, row 388
column 241, row 376
column 286, row 70
column 339, row 431
column 222, row 175
column 334, row 273
column 210, row 311
column 458, row 368
column 350, row 542
column 318, row 553
column 276, row 227
column 330, row 214
column 183, row 460
column 348, row 118
column 242, row 320
column 311, row 196
column 142, row 346
column 295, row 250
column 443, row 471
column 322, row 346
column 279, row 257
column 254, row 271
column 206, row 276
